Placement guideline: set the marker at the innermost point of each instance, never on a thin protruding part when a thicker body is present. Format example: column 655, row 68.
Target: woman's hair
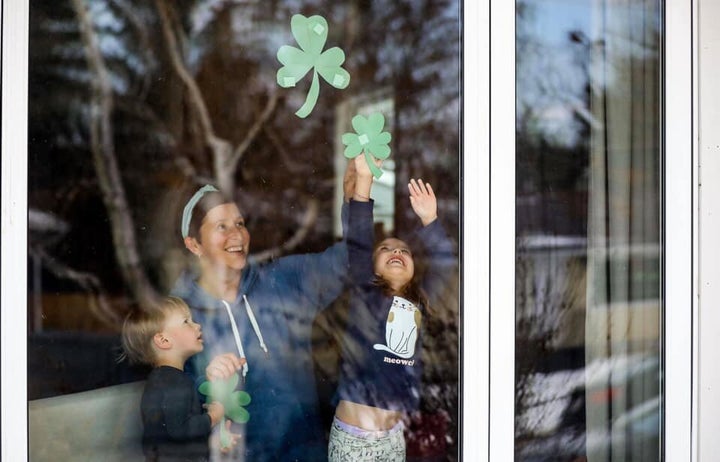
column 207, row 202
column 141, row 325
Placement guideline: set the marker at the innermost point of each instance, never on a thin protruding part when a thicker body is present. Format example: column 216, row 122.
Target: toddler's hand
column 223, row 366
column 216, row 411
column 234, row 437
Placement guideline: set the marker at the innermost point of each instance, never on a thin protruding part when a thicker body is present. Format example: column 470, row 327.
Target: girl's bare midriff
column 367, row 417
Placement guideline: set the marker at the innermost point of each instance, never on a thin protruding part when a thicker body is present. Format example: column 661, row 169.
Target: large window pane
column 134, row 105
column 589, row 254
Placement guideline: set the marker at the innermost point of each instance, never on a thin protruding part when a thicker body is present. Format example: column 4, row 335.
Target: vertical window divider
column 15, row 16
column 679, row 267
column 475, row 272
column 502, row 230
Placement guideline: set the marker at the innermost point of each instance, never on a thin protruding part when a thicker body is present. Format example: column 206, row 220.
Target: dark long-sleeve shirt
column 175, row 427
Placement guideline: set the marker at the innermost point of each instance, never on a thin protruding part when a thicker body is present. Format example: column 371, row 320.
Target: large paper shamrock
column 311, row 34
column 232, row 400
column 369, row 139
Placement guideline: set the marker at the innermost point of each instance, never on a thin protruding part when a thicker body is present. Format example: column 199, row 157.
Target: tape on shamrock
column 232, row 400
column 311, row 34
column 369, row 139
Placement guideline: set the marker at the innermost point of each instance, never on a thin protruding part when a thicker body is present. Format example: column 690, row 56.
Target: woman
column 262, row 313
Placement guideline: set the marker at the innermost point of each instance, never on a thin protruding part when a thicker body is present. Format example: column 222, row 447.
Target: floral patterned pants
column 352, row 444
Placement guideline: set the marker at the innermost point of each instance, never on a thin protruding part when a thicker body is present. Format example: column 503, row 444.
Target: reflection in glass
column 133, row 105
column 589, row 254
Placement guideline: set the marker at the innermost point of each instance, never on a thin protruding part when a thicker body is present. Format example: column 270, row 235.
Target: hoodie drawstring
column 236, row 333
column 254, row 323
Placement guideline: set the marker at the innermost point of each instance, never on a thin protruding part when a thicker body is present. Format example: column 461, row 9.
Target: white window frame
column 677, row 439
column 488, row 230
column 13, row 304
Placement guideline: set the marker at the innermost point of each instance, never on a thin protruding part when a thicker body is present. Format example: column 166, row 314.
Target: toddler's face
column 185, row 334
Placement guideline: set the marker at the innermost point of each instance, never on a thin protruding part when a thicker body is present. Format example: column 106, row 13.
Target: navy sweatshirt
column 381, row 362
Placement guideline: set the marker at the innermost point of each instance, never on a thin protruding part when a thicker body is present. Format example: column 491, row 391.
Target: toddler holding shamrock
column 175, row 426
column 381, row 359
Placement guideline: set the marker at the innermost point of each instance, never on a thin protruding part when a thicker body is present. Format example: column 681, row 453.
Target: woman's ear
column 193, row 245
column 161, row 341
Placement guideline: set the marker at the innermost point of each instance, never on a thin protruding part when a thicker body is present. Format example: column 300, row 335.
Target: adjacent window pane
column 589, row 254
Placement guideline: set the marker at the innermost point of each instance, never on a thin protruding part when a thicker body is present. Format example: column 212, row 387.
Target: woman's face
column 394, row 262
column 224, row 241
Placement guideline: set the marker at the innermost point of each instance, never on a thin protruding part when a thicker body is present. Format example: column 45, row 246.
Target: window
column 589, row 255
column 555, row 260
column 134, row 105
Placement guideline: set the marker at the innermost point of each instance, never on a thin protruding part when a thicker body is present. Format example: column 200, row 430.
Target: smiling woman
column 244, row 309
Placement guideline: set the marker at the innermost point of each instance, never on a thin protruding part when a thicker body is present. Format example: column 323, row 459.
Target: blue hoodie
column 283, row 296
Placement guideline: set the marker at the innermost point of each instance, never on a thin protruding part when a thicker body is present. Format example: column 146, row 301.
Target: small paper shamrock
column 311, row 34
column 232, row 400
column 369, row 139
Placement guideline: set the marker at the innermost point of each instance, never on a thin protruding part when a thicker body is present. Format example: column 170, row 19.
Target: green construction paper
column 368, row 139
column 311, row 34
column 232, row 400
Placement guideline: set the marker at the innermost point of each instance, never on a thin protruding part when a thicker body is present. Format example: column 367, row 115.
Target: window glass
column 588, row 219
column 134, row 105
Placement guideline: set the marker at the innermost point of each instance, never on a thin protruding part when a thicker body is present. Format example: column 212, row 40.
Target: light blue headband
column 187, row 211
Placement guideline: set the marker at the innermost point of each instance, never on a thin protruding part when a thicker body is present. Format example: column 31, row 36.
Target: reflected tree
column 183, row 107
column 134, row 104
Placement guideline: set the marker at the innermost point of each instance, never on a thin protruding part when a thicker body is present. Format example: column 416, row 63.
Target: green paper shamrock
column 311, row 34
column 369, row 139
column 232, row 400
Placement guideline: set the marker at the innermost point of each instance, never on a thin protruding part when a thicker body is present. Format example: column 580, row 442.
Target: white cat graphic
column 401, row 328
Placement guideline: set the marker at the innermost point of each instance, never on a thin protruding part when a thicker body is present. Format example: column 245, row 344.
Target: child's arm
column 181, row 420
column 423, row 201
column 442, row 263
column 363, row 179
column 216, row 411
column 360, row 233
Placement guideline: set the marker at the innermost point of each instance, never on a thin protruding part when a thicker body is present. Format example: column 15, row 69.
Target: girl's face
column 394, row 262
column 224, row 241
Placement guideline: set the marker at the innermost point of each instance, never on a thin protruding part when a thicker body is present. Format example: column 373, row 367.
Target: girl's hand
column 362, row 168
column 423, row 201
column 223, row 366
column 364, row 178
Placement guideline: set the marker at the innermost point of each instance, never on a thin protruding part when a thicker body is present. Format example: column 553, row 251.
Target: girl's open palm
column 423, row 201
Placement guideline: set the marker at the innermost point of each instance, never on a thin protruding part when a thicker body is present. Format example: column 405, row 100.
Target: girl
column 381, row 370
